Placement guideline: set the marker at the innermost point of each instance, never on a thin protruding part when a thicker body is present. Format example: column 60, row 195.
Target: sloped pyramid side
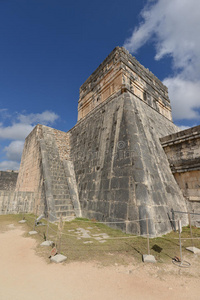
column 121, row 169
column 50, row 177
column 156, row 190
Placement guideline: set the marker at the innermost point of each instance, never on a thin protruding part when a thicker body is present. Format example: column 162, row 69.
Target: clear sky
column 48, row 48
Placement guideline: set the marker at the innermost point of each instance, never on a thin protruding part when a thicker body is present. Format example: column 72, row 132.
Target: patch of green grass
column 120, row 248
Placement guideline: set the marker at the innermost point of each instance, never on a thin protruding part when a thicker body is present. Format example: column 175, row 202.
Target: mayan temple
column 123, row 161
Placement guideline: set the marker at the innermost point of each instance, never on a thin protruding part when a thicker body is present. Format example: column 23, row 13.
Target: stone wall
column 121, row 169
column 7, row 187
column 30, row 177
column 8, row 180
column 183, row 150
column 183, row 153
column 63, row 143
column 12, row 201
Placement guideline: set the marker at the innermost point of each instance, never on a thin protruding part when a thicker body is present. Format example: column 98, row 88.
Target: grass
column 120, row 248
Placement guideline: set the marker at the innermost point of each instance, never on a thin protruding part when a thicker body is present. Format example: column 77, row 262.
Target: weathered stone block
column 118, row 210
column 141, row 193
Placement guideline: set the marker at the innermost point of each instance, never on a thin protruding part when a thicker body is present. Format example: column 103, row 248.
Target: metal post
column 189, row 218
column 148, row 248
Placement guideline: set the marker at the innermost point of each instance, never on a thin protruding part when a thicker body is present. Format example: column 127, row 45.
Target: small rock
column 88, row 242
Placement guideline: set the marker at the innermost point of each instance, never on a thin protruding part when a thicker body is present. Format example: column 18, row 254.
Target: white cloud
column 45, row 118
column 9, row 165
column 174, row 27
column 22, row 125
column 25, row 124
column 14, row 150
column 17, row 131
column 186, row 97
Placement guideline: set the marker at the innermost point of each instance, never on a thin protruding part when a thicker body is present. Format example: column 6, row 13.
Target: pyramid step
column 65, row 198
column 57, row 193
column 63, row 202
column 65, row 214
column 59, row 181
column 57, row 186
column 64, row 207
column 60, row 173
column 61, row 194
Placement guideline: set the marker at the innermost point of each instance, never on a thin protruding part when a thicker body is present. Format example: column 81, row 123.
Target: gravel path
column 24, row 275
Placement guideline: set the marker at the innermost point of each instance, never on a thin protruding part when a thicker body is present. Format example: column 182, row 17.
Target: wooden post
column 24, row 209
column 180, row 230
column 60, row 228
column 35, row 217
column 47, row 231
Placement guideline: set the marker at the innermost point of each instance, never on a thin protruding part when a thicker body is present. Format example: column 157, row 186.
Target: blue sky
column 48, row 48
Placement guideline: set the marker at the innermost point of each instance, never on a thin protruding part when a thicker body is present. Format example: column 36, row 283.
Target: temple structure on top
column 121, row 72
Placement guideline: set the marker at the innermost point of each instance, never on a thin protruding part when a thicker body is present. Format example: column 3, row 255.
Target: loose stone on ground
column 46, row 243
column 59, row 258
column 148, row 258
column 194, row 250
column 32, row 232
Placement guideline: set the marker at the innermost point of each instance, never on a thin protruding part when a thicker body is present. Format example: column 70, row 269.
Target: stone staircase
column 59, row 187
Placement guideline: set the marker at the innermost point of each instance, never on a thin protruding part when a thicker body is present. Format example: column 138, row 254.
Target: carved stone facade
column 121, row 72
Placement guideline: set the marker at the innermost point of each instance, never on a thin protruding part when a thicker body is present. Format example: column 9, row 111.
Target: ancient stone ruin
column 122, row 161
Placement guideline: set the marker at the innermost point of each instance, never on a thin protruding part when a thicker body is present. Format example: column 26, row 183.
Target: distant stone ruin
column 120, row 163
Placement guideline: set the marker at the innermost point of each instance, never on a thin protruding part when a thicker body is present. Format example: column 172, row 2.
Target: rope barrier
column 57, row 234
column 120, row 222
column 129, row 237
column 188, row 238
column 112, row 222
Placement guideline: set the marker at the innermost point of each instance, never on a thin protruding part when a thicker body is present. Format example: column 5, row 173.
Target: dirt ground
column 25, row 275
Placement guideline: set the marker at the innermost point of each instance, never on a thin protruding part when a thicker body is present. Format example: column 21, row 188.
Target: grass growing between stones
column 118, row 248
